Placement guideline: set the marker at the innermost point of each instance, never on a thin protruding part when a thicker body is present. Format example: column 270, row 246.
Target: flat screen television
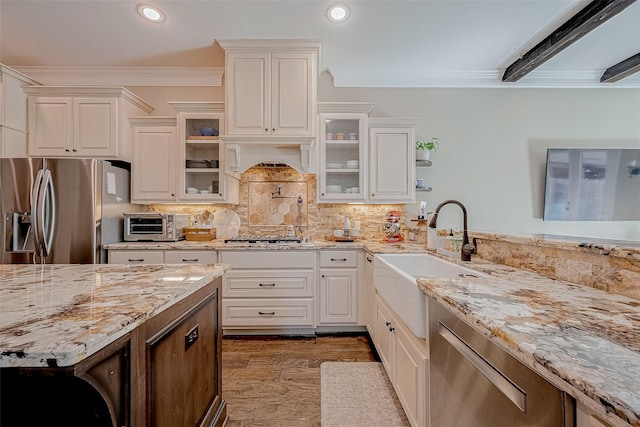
column 592, row 185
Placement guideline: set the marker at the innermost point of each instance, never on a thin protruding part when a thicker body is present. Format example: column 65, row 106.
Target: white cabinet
column 154, row 166
column 342, row 162
column 82, row 121
column 13, row 112
column 200, row 158
column 392, row 161
column 338, row 293
column 368, row 297
column 177, row 256
column 270, row 86
column 269, row 291
column 406, row 361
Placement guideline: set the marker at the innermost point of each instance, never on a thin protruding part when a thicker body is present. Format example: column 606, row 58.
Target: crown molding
column 125, row 76
column 475, row 79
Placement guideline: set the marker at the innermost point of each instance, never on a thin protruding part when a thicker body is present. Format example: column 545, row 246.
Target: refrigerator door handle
column 43, row 212
column 35, row 191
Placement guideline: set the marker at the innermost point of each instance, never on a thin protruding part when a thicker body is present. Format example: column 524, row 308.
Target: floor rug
column 358, row 394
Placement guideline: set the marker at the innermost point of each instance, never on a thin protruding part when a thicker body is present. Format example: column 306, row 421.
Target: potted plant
column 424, row 148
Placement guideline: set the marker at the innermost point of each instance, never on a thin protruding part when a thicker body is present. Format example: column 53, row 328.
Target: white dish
column 226, row 222
column 204, row 192
column 192, row 191
column 353, row 164
column 334, row 188
column 334, row 166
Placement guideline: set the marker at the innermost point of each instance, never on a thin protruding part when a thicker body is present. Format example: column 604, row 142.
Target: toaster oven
column 154, row 226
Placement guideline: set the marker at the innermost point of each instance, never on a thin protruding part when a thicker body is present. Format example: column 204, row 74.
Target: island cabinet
column 165, row 372
column 82, row 121
column 270, row 86
column 177, row 356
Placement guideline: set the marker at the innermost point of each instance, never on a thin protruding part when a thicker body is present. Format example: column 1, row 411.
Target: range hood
column 243, row 152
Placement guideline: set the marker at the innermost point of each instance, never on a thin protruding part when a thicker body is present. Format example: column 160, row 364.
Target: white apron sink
column 395, row 279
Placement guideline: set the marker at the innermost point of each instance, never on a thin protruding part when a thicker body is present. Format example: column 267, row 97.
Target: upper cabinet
column 200, row 155
column 82, row 121
column 392, row 160
column 342, row 162
column 13, row 112
column 154, row 166
column 270, row 87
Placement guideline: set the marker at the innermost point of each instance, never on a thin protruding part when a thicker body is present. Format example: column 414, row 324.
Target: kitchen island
column 110, row 345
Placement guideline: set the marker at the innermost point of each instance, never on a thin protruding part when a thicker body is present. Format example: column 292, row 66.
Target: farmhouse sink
column 395, row 279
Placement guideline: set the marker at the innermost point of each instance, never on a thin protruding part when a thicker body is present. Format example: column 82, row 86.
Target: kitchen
column 467, row 120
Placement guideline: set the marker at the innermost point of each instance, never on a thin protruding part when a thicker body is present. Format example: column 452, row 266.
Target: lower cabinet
column 368, row 299
column 405, row 359
column 338, row 293
column 177, row 256
column 183, row 359
column 268, row 291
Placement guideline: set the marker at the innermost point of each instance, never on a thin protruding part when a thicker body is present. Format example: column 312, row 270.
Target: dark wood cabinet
column 166, row 372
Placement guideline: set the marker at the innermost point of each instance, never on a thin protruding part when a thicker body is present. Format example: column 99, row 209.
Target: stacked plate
column 192, row 190
column 353, row 164
column 334, row 166
column 334, row 188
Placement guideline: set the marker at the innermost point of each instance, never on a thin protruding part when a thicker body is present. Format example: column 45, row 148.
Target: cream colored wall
column 494, row 145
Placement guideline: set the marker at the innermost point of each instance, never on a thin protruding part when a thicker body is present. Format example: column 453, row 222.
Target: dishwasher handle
column 497, row 378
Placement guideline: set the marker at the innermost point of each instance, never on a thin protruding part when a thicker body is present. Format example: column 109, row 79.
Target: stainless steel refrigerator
column 61, row 211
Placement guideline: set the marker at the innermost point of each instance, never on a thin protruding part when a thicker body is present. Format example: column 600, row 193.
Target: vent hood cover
column 243, row 152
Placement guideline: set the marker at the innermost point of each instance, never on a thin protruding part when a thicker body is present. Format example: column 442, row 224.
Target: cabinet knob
column 266, row 129
column 273, row 130
column 323, row 276
column 387, row 323
column 66, row 149
column 391, row 329
column 74, row 150
column 373, row 195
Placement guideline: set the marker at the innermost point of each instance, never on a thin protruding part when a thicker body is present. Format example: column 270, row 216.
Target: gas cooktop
column 263, row 239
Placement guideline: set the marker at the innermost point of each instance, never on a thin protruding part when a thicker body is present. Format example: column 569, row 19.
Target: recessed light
column 338, row 13
column 151, row 13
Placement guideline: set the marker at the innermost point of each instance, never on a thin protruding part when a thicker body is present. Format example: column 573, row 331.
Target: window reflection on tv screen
column 592, row 185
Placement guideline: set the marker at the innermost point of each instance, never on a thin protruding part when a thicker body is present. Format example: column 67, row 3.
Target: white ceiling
column 385, row 43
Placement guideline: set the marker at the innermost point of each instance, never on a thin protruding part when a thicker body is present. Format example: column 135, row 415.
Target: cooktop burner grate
column 263, row 239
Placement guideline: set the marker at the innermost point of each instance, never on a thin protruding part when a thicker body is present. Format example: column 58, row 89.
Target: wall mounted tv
column 592, row 185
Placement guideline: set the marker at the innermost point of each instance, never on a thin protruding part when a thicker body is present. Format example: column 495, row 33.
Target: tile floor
column 275, row 381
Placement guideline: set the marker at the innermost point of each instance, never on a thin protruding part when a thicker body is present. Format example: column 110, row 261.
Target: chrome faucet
column 467, row 248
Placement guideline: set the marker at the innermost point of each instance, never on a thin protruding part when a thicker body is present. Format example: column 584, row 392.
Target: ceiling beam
column 622, row 69
column 590, row 17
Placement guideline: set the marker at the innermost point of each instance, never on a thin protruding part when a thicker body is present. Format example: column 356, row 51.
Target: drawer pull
column 267, row 313
column 338, row 259
column 136, row 260
column 191, row 337
column 190, row 260
column 267, row 284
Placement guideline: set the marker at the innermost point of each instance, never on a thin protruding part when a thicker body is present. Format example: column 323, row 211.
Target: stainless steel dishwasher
column 473, row 382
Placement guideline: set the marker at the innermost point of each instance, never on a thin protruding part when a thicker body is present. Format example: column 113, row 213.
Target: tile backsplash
column 262, row 213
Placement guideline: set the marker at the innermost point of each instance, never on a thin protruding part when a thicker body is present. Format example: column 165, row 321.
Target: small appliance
column 155, row 226
column 392, row 227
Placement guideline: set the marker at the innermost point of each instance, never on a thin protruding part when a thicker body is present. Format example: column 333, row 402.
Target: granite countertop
column 583, row 340
column 57, row 315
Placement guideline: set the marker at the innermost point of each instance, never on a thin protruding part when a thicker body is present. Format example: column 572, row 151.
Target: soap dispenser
column 347, row 226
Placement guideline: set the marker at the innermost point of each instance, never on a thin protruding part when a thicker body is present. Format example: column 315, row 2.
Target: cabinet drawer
column 268, row 259
column 267, row 312
column 338, row 258
column 269, row 283
column 180, row 256
column 135, row 257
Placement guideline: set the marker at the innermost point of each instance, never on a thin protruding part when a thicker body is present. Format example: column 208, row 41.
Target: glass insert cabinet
column 342, row 157
column 202, row 163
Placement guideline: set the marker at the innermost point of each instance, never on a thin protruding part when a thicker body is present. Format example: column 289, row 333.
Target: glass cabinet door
column 342, row 163
column 202, row 178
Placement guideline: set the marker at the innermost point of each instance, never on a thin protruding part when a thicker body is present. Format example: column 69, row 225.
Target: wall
column 493, row 145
